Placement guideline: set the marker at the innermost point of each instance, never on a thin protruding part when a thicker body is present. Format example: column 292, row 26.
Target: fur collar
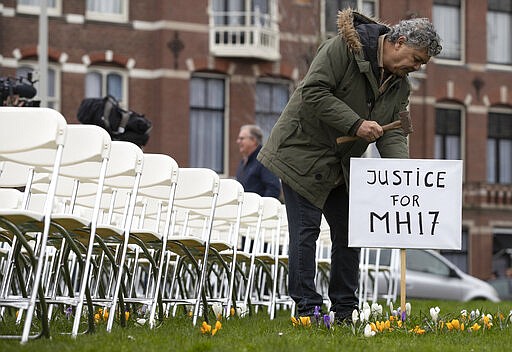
column 347, row 22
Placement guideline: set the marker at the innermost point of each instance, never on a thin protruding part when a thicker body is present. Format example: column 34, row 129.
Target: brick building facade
column 199, row 69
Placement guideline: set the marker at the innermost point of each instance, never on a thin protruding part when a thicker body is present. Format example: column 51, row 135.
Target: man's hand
column 370, row 131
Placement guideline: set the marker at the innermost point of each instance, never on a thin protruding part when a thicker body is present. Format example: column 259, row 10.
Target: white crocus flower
column 355, row 316
column 376, row 309
column 368, row 332
column 367, row 310
column 217, row 309
column 434, row 313
column 464, row 313
column 241, row 310
column 408, row 309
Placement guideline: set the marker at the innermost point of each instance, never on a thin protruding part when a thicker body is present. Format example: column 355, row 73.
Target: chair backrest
column 196, row 193
column 30, row 136
column 34, row 137
column 157, row 190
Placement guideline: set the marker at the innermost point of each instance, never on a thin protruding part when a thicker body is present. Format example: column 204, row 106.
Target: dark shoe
column 343, row 318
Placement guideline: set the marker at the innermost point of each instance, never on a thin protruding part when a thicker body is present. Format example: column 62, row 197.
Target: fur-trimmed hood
column 355, row 27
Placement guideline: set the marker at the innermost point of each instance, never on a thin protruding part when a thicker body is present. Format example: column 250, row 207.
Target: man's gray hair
column 420, row 33
column 255, row 132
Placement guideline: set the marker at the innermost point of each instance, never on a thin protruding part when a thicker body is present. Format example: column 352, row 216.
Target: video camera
column 18, row 91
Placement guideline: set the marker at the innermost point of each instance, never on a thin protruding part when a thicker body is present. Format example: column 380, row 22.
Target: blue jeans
column 304, row 227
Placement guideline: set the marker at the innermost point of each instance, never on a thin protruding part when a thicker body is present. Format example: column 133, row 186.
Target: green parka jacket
column 339, row 89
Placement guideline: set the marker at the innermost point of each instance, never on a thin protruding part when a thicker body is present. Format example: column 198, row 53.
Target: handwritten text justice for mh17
column 415, row 221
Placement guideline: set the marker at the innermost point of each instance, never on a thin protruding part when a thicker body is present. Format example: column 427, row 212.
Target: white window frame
column 36, row 9
column 109, row 17
column 104, row 72
column 462, row 38
column 56, row 99
column 323, row 30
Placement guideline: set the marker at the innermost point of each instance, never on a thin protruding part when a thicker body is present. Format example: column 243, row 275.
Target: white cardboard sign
column 405, row 203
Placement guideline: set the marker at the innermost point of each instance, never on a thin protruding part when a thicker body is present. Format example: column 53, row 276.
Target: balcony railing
column 244, row 34
column 487, row 196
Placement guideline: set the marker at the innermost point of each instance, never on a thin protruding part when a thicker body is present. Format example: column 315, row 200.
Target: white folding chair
column 250, row 225
column 124, row 172
column 263, row 288
column 158, row 185
column 34, row 137
column 83, row 170
column 196, row 200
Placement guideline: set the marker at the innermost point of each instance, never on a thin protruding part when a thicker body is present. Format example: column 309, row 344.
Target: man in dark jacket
column 250, row 173
column 357, row 82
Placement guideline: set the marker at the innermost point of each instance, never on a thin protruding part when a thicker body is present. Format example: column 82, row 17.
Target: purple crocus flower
column 68, row 312
column 404, row 315
column 317, row 313
column 327, row 321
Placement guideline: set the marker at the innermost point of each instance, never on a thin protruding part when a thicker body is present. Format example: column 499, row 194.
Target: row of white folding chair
column 33, row 137
column 116, row 175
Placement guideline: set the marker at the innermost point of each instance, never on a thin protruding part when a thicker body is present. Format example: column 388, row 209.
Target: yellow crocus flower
column 474, row 327
column 206, row 328
column 295, row 321
column 306, row 321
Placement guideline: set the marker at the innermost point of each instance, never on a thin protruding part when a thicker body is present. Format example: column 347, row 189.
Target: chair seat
column 147, row 236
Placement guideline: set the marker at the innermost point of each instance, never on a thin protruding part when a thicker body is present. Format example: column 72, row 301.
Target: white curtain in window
column 270, row 102
column 499, row 37
column 446, row 19
column 505, row 161
column 491, row 160
column 115, row 86
column 206, row 142
column 452, row 148
column 438, row 147
column 207, row 123
column 110, row 6
column 49, row 3
column 93, row 85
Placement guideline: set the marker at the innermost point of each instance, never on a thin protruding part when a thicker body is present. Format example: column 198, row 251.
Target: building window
column 499, row 148
column 367, row 7
column 53, row 7
column 271, row 98
column 499, row 32
column 447, row 138
column 100, row 83
column 459, row 258
column 446, row 16
column 53, row 98
column 207, row 111
column 242, row 12
column 110, row 11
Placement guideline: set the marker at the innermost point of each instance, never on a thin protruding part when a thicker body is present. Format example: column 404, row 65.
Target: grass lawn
column 258, row 333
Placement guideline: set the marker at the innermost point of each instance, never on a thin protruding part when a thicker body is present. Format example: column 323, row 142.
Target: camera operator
column 17, row 92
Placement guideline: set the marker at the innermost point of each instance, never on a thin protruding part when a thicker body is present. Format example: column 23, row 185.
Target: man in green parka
column 356, row 83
